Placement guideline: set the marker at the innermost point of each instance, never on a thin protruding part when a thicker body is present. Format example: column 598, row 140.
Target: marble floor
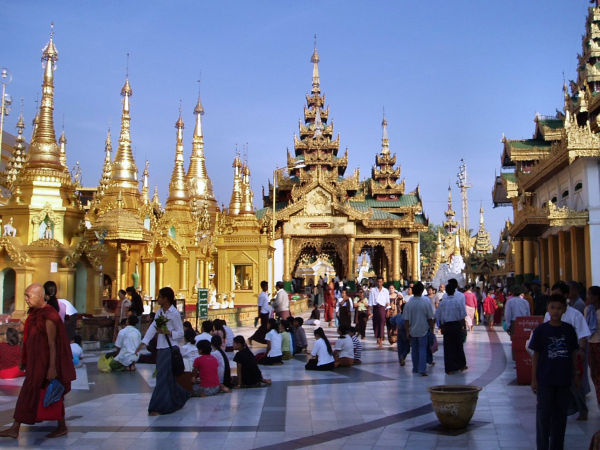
column 378, row 404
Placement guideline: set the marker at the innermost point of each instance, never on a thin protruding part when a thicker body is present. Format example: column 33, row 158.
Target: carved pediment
column 318, row 203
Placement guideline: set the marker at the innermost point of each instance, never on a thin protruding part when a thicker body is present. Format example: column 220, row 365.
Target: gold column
column 396, row 259
column 146, row 276
column 553, row 275
column 518, row 252
column 562, row 255
column 574, row 254
column 118, row 274
column 160, row 274
column 350, row 274
column 200, row 272
column 206, row 274
column 527, row 256
column 543, row 260
column 286, row 260
column 588, row 255
column 183, row 275
column 414, row 248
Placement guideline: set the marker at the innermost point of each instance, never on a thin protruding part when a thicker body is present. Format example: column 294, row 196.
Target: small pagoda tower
column 483, row 243
column 384, row 176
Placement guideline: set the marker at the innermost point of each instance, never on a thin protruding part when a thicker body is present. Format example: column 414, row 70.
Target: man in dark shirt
column 554, row 365
column 539, row 299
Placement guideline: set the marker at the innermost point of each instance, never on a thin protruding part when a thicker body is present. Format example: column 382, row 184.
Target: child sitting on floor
column 287, row 348
column 273, row 354
column 357, row 345
column 300, row 343
column 223, row 368
column 189, row 351
column 77, row 351
column 206, row 371
column 248, row 372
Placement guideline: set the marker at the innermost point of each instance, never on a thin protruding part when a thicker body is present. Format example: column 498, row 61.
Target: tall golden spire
column 156, row 198
column 197, row 176
column 177, row 188
column 63, row 148
column 247, row 195
column 235, row 205
column 316, row 89
column 43, row 151
column 145, row 187
column 107, row 168
column 15, row 164
column 450, row 224
column 124, row 171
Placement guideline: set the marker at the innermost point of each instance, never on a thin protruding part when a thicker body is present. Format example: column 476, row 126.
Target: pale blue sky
column 453, row 76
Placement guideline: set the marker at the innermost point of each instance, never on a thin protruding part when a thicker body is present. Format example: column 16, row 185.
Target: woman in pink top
column 470, row 306
column 206, row 371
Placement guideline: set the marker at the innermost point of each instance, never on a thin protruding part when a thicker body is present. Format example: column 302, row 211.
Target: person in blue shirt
column 554, row 370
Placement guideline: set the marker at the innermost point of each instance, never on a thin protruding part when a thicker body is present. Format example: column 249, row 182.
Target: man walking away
column 418, row 316
column 451, row 314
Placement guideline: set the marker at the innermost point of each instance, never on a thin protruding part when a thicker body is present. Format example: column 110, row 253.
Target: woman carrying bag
column 168, row 395
column 47, row 361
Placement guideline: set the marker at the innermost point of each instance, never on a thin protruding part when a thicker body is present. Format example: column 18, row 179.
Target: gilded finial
column 200, row 185
column 315, row 60
column 235, row 204
column 385, row 141
column 145, row 187
column 44, row 152
column 124, row 172
column 178, row 193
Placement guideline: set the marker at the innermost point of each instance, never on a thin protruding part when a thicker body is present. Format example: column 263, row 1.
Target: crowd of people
column 191, row 363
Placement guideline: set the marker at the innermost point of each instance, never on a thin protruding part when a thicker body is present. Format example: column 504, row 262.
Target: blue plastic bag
column 54, row 392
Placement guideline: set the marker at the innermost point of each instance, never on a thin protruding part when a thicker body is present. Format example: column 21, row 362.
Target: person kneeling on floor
column 344, row 348
column 128, row 340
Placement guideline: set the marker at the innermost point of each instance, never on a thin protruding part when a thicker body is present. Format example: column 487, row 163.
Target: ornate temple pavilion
column 322, row 214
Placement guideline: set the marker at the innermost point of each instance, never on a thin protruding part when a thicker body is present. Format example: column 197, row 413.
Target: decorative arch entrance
column 378, row 258
column 314, row 252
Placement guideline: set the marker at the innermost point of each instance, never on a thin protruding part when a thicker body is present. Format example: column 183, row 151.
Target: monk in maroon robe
column 46, row 355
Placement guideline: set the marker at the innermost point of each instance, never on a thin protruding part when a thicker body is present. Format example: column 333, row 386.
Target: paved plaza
column 375, row 405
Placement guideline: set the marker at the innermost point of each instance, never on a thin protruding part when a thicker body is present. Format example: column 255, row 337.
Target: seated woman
column 248, row 372
column 273, row 354
column 344, row 348
column 218, row 330
column 10, row 355
column 223, row 369
column 315, row 316
column 189, row 351
column 128, row 340
column 322, row 355
column 206, row 371
column 287, row 347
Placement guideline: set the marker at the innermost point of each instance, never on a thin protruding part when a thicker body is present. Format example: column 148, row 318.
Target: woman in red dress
column 330, row 302
column 46, row 355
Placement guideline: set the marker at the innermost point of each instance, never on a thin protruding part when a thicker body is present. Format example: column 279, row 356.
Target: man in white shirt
column 206, row 328
column 264, row 311
column 379, row 301
column 127, row 342
column 282, row 302
column 516, row 306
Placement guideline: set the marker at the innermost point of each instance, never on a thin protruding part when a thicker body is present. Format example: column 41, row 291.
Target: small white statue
column 224, row 302
column 215, row 301
column 231, row 300
column 9, row 229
